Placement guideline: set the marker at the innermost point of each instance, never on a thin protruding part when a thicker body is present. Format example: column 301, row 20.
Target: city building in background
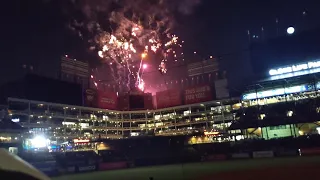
column 75, row 71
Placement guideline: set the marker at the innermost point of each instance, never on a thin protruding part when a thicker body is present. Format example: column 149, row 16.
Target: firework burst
column 126, row 51
column 138, row 33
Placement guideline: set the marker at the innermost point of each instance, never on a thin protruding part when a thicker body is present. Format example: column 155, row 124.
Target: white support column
column 175, row 119
column 79, row 119
column 190, row 115
column 94, row 123
column 146, row 119
column 161, row 120
column 154, row 123
column 106, row 125
column 122, row 124
column 223, row 121
column 117, row 124
column 207, row 120
column 48, row 122
column 130, row 123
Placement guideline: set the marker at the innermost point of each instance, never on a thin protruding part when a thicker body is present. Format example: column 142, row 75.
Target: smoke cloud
column 119, row 16
column 135, row 10
column 123, row 31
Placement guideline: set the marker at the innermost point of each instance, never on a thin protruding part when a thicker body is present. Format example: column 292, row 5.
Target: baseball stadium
column 184, row 121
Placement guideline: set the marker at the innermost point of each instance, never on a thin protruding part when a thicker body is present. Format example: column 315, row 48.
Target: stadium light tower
column 290, row 30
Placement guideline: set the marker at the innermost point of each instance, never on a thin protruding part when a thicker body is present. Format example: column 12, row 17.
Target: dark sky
column 35, row 33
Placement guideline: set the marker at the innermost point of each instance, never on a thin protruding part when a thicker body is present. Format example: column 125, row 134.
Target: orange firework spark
column 123, row 51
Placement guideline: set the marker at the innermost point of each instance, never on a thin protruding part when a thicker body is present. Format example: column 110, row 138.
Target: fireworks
column 129, row 52
column 143, row 55
column 133, row 33
column 162, row 68
column 144, row 66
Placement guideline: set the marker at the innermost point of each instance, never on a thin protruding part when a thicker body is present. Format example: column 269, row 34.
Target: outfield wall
column 55, row 169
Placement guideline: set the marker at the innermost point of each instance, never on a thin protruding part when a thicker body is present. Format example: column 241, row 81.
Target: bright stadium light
column 290, row 30
column 39, row 142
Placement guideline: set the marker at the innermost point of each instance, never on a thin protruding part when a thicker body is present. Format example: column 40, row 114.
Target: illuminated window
column 262, row 116
column 157, row 117
column 186, row 113
column 104, row 117
column 278, row 127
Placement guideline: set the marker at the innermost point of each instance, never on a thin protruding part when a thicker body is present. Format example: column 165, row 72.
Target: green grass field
column 188, row 171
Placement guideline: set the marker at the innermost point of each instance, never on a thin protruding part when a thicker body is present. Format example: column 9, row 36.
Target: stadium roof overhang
column 215, row 102
column 269, row 83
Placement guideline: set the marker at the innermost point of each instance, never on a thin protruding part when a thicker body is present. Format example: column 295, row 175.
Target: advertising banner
column 309, row 151
column 86, row 168
column 198, row 94
column 221, row 88
column 148, row 103
column 263, row 154
column 240, row 155
column 216, row 157
column 123, row 102
column 286, row 152
column 168, row 98
column 90, row 98
column 67, row 170
column 113, row 165
column 136, row 102
column 107, row 100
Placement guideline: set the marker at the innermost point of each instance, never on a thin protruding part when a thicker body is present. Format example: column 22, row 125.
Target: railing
column 227, row 116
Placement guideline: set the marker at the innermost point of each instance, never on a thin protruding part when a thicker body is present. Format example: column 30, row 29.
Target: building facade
column 61, row 121
column 74, row 71
column 203, row 67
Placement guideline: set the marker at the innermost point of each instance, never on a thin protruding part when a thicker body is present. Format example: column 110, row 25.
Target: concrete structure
column 63, row 121
column 203, row 67
column 75, row 71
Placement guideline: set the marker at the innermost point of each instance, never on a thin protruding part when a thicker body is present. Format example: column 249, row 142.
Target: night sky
column 35, row 33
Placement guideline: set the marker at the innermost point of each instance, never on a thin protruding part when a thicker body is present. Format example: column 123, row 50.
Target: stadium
column 63, row 111
column 87, row 139
column 190, row 128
